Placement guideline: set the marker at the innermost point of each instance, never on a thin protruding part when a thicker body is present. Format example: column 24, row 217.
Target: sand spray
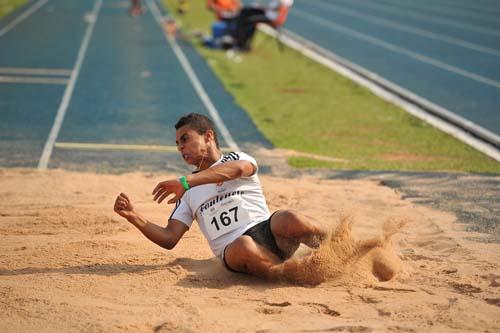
column 341, row 258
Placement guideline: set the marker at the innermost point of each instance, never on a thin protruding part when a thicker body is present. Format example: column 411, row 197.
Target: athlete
column 225, row 197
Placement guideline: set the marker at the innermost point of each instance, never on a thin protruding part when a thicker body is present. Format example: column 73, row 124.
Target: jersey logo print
column 230, row 157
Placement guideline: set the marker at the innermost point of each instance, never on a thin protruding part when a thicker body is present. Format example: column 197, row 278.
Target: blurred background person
column 274, row 14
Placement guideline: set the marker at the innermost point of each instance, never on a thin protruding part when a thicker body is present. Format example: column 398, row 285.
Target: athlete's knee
column 244, row 245
column 244, row 255
column 288, row 216
column 288, row 223
column 239, row 251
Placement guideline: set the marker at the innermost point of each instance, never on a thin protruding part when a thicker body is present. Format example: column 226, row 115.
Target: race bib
column 225, row 216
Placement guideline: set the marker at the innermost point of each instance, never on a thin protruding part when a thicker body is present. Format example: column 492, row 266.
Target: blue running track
column 446, row 51
column 130, row 89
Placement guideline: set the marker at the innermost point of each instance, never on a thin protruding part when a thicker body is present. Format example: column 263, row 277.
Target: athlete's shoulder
column 232, row 156
column 238, row 156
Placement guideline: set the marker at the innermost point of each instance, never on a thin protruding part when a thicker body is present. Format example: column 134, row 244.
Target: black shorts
column 261, row 233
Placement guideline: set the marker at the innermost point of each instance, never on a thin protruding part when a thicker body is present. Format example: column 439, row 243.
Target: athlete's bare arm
column 164, row 237
column 222, row 172
column 219, row 173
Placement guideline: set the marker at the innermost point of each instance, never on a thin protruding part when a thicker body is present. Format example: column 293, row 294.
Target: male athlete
column 225, row 197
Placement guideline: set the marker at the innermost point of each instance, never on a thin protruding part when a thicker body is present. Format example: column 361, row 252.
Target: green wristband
column 184, row 183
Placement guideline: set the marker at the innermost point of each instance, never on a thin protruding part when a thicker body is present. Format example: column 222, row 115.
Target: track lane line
column 403, row 27
column 35, row 71
column 490, row 11
column 120, row 147
column 440, row 20
column 22, row 16
column 434, row 10
column 396, row 49
column 32, row 80
column 207, row 102
column 54, row 132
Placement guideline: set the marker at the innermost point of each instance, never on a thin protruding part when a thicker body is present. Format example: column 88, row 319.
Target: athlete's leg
column 290, row 229
column 245, row 27
column 246, row 256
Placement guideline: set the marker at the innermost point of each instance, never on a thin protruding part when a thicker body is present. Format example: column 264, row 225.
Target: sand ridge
column 68, row 263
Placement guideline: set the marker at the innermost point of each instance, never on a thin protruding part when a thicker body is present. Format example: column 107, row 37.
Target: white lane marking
column 439, row 20
column 119, row 147
column 489, row 11
column 407, row 28
column 335, row 63
column 31, row 79
column 446, row 10
column 22, row 17
column 54, row 132
column 35, row 71
column 396, row 49
column 194, row 80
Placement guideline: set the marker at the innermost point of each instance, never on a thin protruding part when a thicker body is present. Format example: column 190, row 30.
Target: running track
column 446, row 51
column 85, row 86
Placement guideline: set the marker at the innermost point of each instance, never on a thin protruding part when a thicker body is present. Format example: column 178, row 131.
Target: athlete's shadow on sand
column 192, row 273
column 92, row 269
column 211, row 273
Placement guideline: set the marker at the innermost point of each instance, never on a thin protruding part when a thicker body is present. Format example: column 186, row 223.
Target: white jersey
column 224, row 211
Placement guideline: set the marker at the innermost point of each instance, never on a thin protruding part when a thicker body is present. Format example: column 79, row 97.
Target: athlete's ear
column 209, row 136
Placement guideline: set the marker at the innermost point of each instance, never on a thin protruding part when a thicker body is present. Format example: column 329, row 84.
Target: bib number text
column 225, row 218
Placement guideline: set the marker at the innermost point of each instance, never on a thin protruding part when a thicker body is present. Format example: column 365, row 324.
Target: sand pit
column 68, row 263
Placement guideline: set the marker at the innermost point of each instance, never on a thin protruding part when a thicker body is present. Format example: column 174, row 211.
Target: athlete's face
column 192, row 145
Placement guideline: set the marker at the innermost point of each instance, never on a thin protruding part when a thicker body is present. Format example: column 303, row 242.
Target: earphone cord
column 202, row 159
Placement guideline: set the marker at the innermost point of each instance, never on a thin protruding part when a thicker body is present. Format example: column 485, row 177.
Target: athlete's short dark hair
column 198, row 122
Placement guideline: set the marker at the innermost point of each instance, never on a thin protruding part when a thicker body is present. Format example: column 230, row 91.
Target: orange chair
column 282, row 16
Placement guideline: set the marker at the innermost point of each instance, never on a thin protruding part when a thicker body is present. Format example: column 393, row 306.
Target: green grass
column 7, row 6
column 300, row 105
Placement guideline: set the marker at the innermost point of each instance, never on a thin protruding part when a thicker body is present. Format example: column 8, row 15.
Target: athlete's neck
column 212, row 156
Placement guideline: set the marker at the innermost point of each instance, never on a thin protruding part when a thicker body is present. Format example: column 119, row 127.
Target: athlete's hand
column 164, row 189
column 123, row 206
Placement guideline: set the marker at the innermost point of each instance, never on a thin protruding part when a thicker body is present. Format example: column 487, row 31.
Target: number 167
column 225, row 218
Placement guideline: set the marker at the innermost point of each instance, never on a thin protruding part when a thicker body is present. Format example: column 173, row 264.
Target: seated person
column 224, row 9
column 274, row 14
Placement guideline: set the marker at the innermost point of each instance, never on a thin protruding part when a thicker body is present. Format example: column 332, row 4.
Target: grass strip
column 300, row 105
column 7, row 6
